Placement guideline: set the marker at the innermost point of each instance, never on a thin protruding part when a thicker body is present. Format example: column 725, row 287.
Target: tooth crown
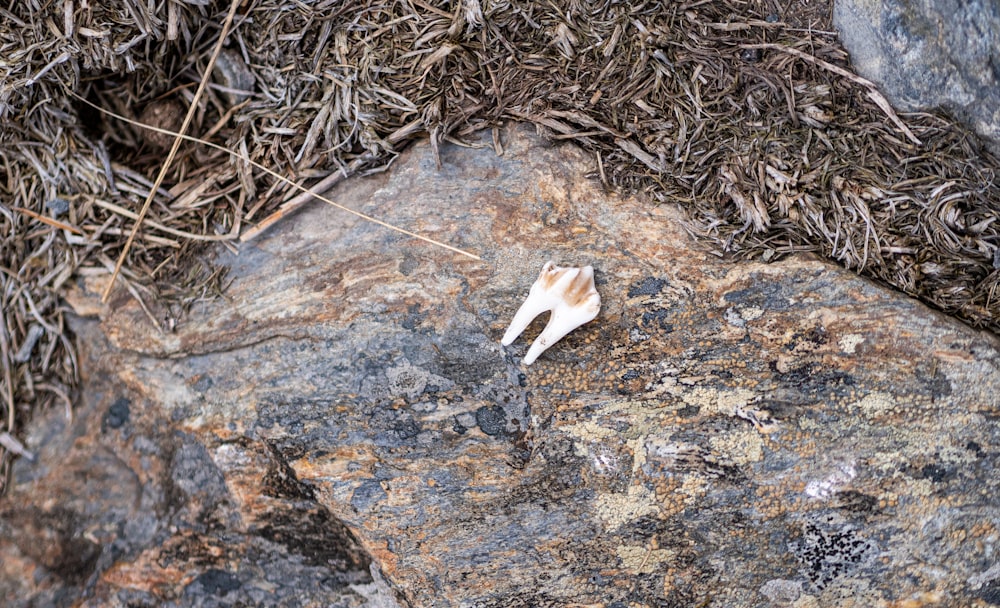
column 570, row 295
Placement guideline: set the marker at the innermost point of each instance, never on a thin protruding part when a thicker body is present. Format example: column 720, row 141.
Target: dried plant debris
column 744, row 113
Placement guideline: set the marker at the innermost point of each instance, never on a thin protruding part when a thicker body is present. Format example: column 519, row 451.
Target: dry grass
column 744, row 113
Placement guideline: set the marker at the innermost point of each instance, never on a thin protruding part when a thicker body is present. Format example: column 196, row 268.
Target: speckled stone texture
column 722, row 435
column 929, row 55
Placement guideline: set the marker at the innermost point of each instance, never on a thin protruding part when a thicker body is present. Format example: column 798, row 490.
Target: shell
column 570, row 295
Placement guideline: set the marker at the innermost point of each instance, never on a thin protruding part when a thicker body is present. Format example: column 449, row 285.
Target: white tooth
column 570, row 295
column 539, row 300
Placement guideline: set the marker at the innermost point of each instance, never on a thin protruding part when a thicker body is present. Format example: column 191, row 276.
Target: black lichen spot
column 217, row 582
column 492, row 420
column 597, row 580
column 811, row 378
column 117, row 415
column 768, row 295
column 650, row 286
column 413, row 317
column 408, row 265
column 466, row 363
column 934, row 472
column 406, row 428
column 936, row 383
column 828, row 551
column 657, row 319
column 203, row 383
column 688, row 411
column 813, row 337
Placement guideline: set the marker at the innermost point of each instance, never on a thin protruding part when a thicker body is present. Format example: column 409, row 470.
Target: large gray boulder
column 722, row 435
column 929, row 54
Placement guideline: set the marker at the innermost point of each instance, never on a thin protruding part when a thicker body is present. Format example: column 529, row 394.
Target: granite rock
column 722, row 434
column 929, row 55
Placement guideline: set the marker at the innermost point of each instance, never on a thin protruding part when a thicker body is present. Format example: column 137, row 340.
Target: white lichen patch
column 912, row 445
column 875, row 405
column 616, row 510
column 849, row 343
column 589, row 430
column 781, row 591
column 977, row 379
column 806, row 423
column 644, row 409
column 712, row 401
column 951, row 454
column 883, row 462
column 742, row 446
column 734, row 318
column 638, row 447
column 751, row 313
column 643, row 560
column 406, row 380
column 693, row 487
column 806, row 601
column 920, row 487
column 861, row 594
column 645, row 418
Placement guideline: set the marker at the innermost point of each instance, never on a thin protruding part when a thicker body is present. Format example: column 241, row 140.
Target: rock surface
column 721, row 435
column 929, row 54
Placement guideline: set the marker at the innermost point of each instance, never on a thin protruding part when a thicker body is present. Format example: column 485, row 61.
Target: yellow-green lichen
column 589, row 431
column 618, row 509
column 742, row 446
column 711, row 401
column 693, row 487
column 875, row 405
column 806, row 601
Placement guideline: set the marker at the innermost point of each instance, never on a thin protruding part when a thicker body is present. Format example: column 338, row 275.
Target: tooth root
column 571, row 296
column 525, row 315
column 540, row 299
column 564, row 320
